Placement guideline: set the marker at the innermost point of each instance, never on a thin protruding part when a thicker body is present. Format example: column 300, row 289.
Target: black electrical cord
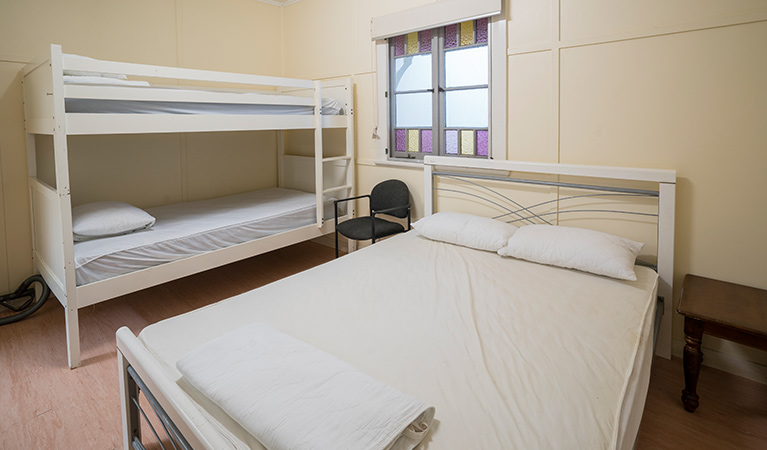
column 28, row 307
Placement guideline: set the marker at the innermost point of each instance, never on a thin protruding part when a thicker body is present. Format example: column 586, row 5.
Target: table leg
column 693, row 357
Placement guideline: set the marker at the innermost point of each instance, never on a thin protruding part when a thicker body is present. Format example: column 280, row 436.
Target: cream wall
column 232, row 35
column 677, row 85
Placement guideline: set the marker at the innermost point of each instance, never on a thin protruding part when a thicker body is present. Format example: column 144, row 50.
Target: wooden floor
column 44, row 405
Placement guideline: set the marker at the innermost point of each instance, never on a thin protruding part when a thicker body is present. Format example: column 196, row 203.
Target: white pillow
column 575, row 248
column 102, row 219
column 465, row 229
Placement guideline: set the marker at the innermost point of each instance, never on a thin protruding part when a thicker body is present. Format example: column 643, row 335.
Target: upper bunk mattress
column 513, row 354
column 247, row 103
column 191, row 228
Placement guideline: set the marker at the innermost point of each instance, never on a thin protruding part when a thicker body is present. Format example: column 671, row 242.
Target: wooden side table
column 725, row 310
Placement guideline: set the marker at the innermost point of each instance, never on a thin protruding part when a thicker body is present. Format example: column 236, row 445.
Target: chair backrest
column 388, row 194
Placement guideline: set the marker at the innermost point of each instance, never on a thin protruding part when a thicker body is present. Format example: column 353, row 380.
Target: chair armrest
column 351, row 198
column 336, row 202
column 388, row 210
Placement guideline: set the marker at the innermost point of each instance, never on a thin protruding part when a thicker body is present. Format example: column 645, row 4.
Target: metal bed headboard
column 466, row 170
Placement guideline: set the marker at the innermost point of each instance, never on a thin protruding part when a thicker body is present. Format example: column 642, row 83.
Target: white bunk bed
column 66, row 95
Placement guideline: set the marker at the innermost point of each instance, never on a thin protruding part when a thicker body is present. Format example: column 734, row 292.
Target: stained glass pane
column 466, row 108
column 412, row 140
column 412, row 73
column 482, row 142
column 481, row 30
column 425, row 38
column 466, row 67
column 451, row 142
column 467, row 142
column 426, row 145
column 399, row 45
column 451, row 36
column 467, row 32
column 401, row 140
column 412, row 43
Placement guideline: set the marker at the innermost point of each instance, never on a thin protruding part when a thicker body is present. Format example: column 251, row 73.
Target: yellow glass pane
column 412, row 141
column 467, row 32
column 412, row 43
column 467, row 142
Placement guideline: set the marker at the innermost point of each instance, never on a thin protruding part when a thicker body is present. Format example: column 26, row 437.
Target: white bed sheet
column 190, row 228
column 512, row 354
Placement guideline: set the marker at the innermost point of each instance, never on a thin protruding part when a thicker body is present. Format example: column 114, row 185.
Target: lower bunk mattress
column 187, row 229
column 512, row 354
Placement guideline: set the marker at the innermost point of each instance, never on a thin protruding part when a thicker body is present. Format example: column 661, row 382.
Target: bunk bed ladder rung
column 337, row 158
column 337, row 188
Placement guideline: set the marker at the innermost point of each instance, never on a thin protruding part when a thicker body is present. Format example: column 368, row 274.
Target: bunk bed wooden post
column 350, row 173
column 318, row 156
column 61, row 160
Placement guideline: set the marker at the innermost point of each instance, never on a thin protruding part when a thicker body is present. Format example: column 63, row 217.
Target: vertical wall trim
column 556, row 35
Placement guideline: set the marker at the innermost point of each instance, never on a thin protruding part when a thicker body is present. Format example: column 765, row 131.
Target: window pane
column 451, row 142
column 412, row 73
column 466, row 67
column 467, row 108
column 414, row 110
column 467, row 142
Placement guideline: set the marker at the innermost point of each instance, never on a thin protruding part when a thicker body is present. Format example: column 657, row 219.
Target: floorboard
column 45, row 405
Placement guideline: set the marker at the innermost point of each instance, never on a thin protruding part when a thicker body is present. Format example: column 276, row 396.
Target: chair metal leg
column 336, row 244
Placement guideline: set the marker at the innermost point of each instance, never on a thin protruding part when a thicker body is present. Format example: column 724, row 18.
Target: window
column 439, row 91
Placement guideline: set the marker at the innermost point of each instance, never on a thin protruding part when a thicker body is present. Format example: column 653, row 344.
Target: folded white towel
column 290, row 395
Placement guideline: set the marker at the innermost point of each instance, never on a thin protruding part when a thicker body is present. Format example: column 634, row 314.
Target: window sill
column 415, row 164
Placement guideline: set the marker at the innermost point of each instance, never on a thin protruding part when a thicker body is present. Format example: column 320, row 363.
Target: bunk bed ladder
column 346, row 189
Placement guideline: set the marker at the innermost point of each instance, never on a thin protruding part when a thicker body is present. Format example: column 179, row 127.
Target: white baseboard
column 726, row 362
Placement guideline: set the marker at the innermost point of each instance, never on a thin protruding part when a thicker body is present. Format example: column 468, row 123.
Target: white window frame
column 496, row 99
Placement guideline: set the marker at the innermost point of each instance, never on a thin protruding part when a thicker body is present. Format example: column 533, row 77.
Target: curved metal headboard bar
column 568, row 211
column 571, row 197
column 458, row 177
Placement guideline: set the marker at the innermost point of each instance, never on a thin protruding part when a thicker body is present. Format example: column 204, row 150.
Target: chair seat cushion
column 359, row 228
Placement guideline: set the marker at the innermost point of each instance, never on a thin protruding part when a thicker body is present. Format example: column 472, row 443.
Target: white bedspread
column 292, row 396
column 512, row 354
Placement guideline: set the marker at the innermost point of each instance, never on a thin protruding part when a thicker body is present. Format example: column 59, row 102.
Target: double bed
column 511, row 353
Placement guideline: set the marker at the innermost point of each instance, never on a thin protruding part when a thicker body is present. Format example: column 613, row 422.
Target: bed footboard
column 182, row 425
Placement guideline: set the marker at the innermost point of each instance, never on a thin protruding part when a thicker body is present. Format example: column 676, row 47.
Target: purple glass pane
column 481, row 30
column 482, row 138
column 451, row 142
column 401, row 140
column 451, row 36
column 426, row 141
column 399, row 45
column 425, row 38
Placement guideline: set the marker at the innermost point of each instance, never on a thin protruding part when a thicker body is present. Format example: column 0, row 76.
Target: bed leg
column 73, row 336
column 131, row 423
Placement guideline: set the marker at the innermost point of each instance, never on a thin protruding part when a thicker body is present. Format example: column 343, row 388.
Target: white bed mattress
column 190, row 228
column 513, row 355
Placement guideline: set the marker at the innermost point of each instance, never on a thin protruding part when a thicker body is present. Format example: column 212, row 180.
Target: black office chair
column 390, row 197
